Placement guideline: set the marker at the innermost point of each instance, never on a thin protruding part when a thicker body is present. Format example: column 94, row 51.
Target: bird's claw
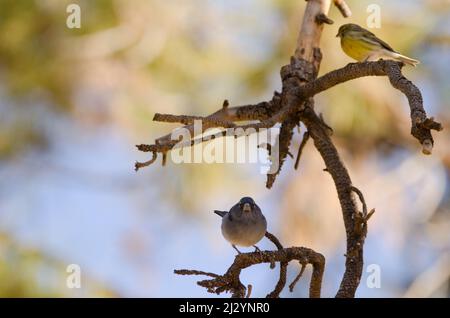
column 234, row 246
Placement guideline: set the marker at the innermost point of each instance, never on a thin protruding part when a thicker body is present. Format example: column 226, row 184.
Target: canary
column 362, row 45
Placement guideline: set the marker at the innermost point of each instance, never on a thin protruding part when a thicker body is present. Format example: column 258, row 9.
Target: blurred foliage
column 30, row 40
column 27, row 272
column 160, row 56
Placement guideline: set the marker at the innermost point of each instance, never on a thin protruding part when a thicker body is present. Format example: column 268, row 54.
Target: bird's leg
column 234, row 246
column 257, row 249
column 372, row 57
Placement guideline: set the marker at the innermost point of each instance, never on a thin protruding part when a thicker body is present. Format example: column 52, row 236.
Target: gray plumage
column 244, row 224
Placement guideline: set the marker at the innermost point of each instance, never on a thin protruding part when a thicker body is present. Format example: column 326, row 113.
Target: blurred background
column 74, row 102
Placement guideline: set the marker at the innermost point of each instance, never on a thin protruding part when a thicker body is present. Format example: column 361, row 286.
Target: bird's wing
column 260, row 212
column 374, row 39
column 220, row 213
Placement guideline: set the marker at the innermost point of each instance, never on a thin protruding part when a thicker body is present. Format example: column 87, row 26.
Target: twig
column 184, row 119
column 283, row 269
column 249, row 290
column 281, row 281
column 139, row 165
column 361, row 218
column 343, row 8
column 194, row 272
column 361, row 198
column 284, row 141
column 300, row 149
column 260, row 111
column 297, row 278
column 322, row 18
column 274, row 240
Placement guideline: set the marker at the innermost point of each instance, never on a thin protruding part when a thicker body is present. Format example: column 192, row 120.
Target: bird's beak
column 337, row 35
column 247, row 207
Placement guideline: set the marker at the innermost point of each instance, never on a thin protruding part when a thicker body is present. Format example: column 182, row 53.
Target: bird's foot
column 257, row 249
column 234, row 246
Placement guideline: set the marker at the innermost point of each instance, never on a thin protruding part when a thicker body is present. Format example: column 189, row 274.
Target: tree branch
column 421, row 125
column 283, row 269
column 260, row 111
column 300, row 149
column 343, row 8
column 230, row 281
column 297, row 278
column 292, row 100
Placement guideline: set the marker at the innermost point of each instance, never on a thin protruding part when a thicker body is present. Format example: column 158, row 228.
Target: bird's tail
column 405, row 59
column 220, row 213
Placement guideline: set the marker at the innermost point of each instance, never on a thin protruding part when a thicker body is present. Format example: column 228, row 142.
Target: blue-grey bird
column 244, row 224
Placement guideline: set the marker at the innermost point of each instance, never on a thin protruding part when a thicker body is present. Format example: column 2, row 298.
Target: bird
column 244, row 224
column 362, row 45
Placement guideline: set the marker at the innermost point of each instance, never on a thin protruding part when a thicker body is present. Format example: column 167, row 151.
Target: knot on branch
column 298, row 72
column 322, row 18
column 230, row 281
column 298, row 68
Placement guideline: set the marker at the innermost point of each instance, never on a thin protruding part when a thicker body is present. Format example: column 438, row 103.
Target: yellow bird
column 362, row 45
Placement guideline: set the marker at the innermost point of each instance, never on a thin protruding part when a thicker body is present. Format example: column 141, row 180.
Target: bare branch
column 274, row 240
column 194, row 272
column 230, row 281
column 343, row 7
column 297, row 278
column 341, row 178
column 310, row 32
column 139, row 165
column 361, row 218
column 284, row 141
column 361, row 198
column 421, row 125
column 186, row 120
column 260, row 111
column 249, row 290
column 281, row 281
column 300, row 149
column 322, row 18
column 283, row 269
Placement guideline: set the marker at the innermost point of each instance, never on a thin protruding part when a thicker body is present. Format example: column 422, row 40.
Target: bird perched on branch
column 244, row 224
column 362, row 45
